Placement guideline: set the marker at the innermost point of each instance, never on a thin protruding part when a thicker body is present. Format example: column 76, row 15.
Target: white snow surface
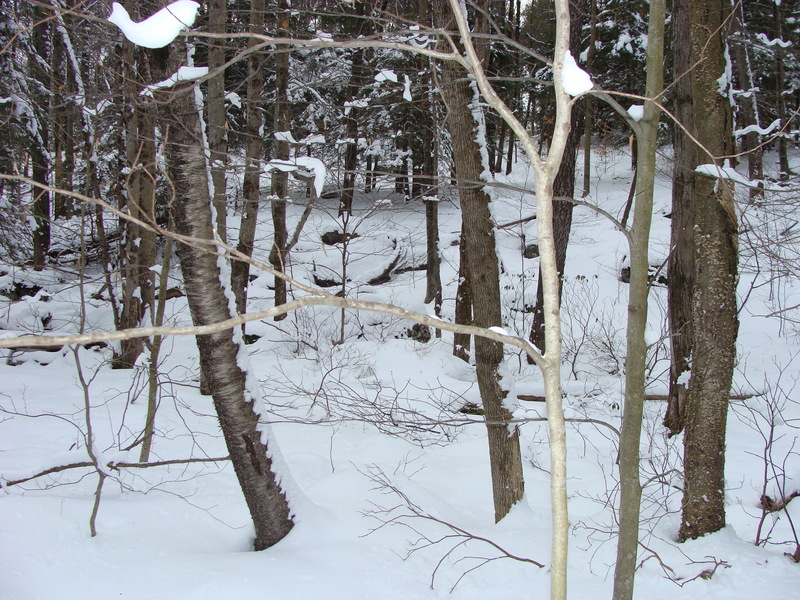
column 576, row 81
column 158, row 30
column 343, row 418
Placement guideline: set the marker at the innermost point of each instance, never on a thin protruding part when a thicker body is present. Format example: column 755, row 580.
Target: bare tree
column 636, row 348
column 208, row 302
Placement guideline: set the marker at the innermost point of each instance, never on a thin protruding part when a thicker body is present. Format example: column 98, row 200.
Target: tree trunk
column 217, row 138
column 680, row 268
column 462, row 342
column 38, row 148
column 636, row 349
column 430, row 184
column 589, row 117
column 251, row 192
column 563, row 187
column 280, row 179
column 714, row 297
column 504, row 451
column 139, row 248
column 747, row 107
column 208, row 303
column 354, row 89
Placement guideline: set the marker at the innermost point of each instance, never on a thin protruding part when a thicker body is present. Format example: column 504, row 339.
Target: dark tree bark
column 780, row 98
column 39, row 163
column 714, row 307
column 354, row 85
column 484, row 271
column 462, row 342
column 208, row 303
column 251, row 192
column 589, row 113
column 747, row 113
column 139, row 249
column 280, row 179
column 681, row 258
column 430, row 186
column 217, row 138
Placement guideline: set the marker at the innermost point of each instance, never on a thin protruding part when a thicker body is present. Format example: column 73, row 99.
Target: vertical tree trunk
column 714, row 296
column 780, row 100
column 589, row 117
column 504, row 451
column 208, row 303
column 462, row 342
column 251, row 192
column 354, row 85
column 62, row 119
column 747, row 106
column 636, row 348
column 430, row 184
column 39, row 162
column 680, row 285
column 563, row 190
column 139, row 244
column 280, row 179
column 549, row 363
column 217, row 138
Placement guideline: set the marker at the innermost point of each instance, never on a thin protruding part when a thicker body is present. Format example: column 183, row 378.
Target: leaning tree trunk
column 209, row 304
column 484, row 270
column 715, row 271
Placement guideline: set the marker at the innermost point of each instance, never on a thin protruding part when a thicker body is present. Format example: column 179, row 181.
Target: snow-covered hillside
column 385, row 463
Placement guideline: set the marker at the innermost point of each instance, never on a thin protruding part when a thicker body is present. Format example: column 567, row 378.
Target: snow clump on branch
column 158, row 30
column 576, row 81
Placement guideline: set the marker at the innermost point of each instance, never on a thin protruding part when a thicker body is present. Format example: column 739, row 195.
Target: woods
column 305, row 186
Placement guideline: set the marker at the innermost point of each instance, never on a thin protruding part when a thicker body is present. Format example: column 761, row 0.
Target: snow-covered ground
column 386, row 476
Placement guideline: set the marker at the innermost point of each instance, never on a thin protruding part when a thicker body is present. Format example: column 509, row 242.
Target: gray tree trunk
column 715, row 275
column 636, row 354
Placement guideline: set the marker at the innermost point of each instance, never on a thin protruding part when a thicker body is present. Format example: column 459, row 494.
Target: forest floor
column 388, row 478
